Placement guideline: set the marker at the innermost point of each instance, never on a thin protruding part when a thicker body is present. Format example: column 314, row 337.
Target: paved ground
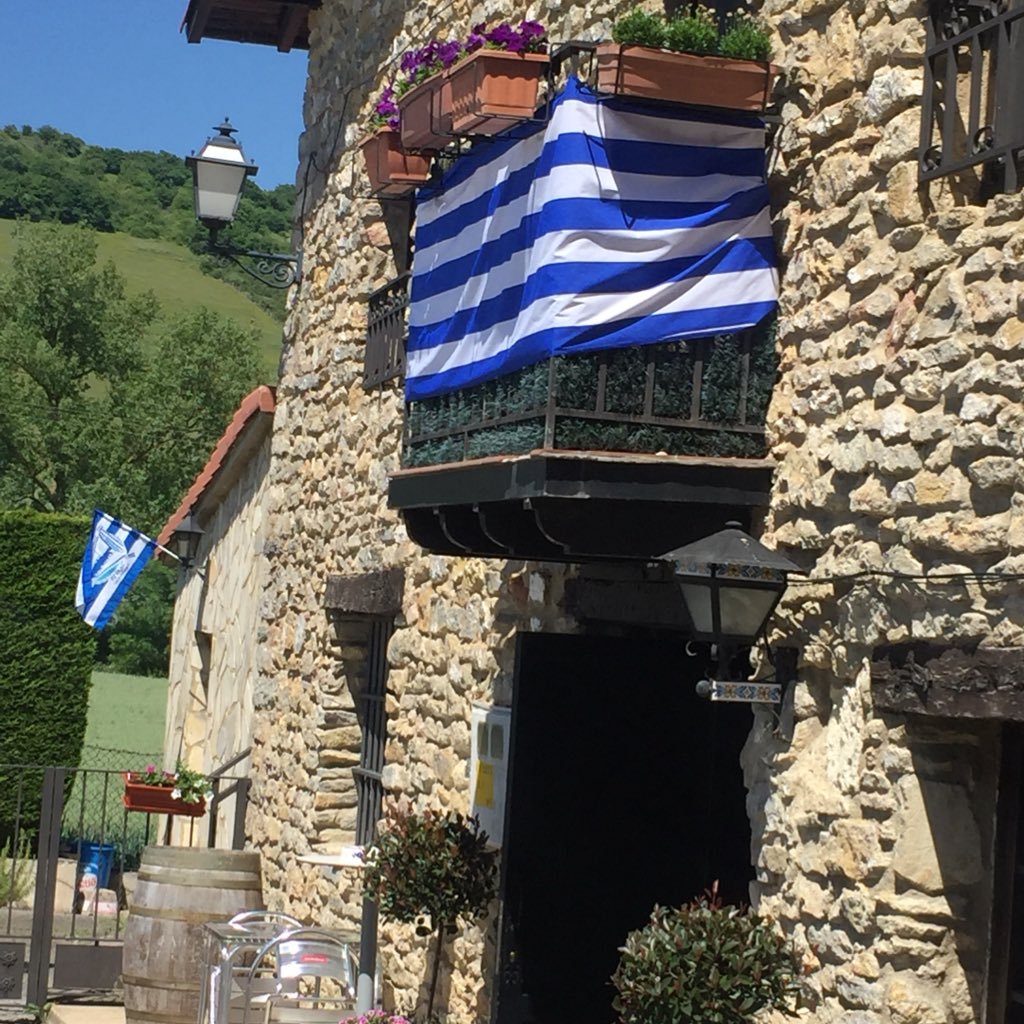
column 79, row 1013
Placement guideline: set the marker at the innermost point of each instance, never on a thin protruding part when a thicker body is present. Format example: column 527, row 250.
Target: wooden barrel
column 179, row 890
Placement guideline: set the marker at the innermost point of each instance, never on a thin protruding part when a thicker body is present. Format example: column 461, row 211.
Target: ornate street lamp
column 731, row 584
column 219, row 171
column 186, row 539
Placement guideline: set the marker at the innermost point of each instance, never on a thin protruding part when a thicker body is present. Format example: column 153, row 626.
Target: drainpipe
column 366, row 983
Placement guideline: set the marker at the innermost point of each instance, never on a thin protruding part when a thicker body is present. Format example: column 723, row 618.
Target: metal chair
column 230, row 950
column 300, row 961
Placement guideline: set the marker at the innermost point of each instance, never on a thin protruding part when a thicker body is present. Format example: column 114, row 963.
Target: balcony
column 620, row 454
column 582, row 380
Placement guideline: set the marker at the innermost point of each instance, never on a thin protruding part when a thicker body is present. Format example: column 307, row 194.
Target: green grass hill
column 172, row 273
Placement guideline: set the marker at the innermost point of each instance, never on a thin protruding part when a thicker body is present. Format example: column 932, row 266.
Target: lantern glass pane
column 698, row 603
column 218, row 187
column 744, row 609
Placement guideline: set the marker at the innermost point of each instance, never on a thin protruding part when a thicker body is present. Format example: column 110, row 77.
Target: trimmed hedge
column 46, row 650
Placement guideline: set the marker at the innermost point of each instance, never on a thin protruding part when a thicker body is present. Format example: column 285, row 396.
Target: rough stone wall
column 206, row 726
column 896, row 426
column 334, row 446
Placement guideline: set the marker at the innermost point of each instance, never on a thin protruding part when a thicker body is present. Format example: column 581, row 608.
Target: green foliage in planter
column 693, row 30
column 640, row 28
column 704, row 962
column 46, row 654
column 746, row 38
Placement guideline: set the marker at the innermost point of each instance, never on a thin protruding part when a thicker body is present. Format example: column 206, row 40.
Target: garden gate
column 61, row 830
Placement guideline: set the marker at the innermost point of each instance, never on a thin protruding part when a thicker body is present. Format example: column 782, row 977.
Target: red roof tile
column 261, row 400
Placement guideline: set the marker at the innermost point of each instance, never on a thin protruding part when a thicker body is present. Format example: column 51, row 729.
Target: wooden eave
column 283, row 24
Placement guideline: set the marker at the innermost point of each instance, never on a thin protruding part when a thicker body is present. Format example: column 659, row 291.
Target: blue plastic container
column 97, row 859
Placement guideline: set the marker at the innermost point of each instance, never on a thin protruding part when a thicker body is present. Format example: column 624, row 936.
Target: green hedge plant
column 706, row 963
column 431, row 869
column 46, row 656
column 694, row 29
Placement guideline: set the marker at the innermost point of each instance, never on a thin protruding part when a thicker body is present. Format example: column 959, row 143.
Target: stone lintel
column 368, row 593
column 949, row 682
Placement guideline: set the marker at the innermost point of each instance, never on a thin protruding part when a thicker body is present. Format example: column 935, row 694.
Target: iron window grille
column 373, row 726
column 973, row 103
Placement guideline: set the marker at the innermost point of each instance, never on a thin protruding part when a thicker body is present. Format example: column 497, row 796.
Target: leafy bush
column 640, row 28
column 431, row 865
column 694, row 31
column 704, row 962
column 746, row 38
column 16, row 875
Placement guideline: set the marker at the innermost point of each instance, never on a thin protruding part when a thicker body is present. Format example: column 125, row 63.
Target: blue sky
column 118, row 73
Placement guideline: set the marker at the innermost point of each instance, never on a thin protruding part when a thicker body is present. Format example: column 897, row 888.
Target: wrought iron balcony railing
column 386, row 333
column 973, row 104
column 706, row 397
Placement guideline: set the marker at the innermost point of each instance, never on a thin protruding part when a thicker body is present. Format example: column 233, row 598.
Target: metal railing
column 704, row 397
column 386, row 333
column 973, row 102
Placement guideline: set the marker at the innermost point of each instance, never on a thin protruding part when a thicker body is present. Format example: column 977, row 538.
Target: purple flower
column 505, row 37
column 150, row 769
column 448, row 53
column 476, row 39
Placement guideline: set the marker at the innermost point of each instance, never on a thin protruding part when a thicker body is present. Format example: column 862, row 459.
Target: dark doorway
column 626, row 791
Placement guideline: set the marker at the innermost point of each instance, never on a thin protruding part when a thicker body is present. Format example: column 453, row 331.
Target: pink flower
column 150, row 769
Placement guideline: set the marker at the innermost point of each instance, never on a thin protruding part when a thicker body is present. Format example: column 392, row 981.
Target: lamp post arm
column 274, row 269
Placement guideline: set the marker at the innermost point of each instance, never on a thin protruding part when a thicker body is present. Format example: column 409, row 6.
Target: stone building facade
column 881, row 797
column 212, row 671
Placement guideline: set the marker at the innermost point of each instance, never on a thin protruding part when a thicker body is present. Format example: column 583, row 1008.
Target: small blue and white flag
column 114, row 556
column 613, row 225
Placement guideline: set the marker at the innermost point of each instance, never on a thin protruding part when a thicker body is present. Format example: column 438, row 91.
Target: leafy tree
column 63, row 324
column 429, row 865
column 90, row 420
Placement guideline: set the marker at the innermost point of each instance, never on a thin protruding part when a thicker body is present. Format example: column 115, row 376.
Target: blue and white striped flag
column 114, row 556
column 613, row 225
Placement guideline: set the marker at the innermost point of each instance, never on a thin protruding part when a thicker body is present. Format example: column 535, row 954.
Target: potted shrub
column 431, row 869
column 182, row 791
column 685, row 60
column 496, row 83
column 392, row 171
column 704, row 962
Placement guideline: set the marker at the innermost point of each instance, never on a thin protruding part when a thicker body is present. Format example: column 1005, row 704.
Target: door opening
column 626, row 791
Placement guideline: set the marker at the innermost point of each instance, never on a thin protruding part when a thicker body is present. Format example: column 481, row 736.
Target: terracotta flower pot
column 702, row 81
column 138, row 796
column 426, row 114
column 391, row 170
column 492, row 89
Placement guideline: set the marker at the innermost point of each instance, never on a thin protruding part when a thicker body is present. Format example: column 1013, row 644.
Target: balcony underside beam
column 576, row 506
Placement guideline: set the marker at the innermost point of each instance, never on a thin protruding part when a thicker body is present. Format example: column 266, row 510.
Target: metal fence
column 973, row 102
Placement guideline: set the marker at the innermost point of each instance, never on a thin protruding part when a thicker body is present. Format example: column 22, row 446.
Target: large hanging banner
column 612, row 225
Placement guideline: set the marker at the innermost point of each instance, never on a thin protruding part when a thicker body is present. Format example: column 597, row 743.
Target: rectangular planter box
column 157, row 800
column 426, row 114
column 493, row 89
column 392, row 171
column 702, row 81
